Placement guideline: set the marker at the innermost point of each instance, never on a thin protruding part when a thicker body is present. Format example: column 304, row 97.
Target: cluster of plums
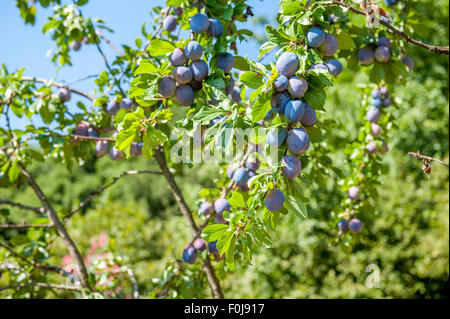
column 380, row 99
column 199, row 245
column 76, row 45
column 380, row 52
column 114, row 106
column 189, row 72
column 354, row 225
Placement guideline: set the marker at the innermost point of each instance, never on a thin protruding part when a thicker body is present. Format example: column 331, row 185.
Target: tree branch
column 10, row 226
column 100, row 190
column 37, row 265
column 432, row 48
column 109, row 42
column 25, row 207
column 42, row 285
column 428, row 158
column 62, row 232
column 160, row 158
column 57, row 84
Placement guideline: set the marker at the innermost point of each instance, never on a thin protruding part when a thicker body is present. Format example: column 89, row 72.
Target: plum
column 115, row 154
column 274, row 200
column 225, row 61
column 182, row 74
column 384, row 42
column 206, row 208
column 189, row 254
column 309, row 116
column 75, row 45
column 230, row 170
column 217, row 120
column 199, row 23
column 240, row 176
column 281, row 83
column 199, row 70
column 376, row 94
column 199, row 244
column 354, row 193
column 136, row 148
column 82, row 129
column 252, row 164
column 270, row 115
column 178, row 57
column 297, row 141
column 215, row 28
column 64, row 94
column 384, row 92
column 127, row 104
column 193, row 51
column 408, row 62
column 372, row 147
column 86, row 40
column 376, row 102
column 93, row 132
column 295, row 110
column 167, row 86
column 235, row 95
column 297, row 87
column 355, row 225
column 287, row 64
column 334, row 67
column 276, row 136
column 278, row 101
column 332, row 19
column 196, row 85
column 366, row 55
column 184, row 95
column 170, row 23
column 386, row 102
column 113, row 107
column 375, row 129
column 178, row 11
column 382, row 54
column 373, row 115
column 244, row 187
column 343, row 225
column 291, row 166
column 315, row 37
column 221, row 205
column 101, row 148
column 218, row 219
column 329, row 46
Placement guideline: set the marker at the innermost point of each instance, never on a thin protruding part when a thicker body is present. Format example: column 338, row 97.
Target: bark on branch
column 61, row 230
column 432, row 48
column 173, row 186
column 57, row 84
column 18, row 205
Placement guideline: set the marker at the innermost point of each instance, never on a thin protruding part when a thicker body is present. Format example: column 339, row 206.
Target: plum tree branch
column 35, row 264
column 432, row 48
column 57, row 84
column 59, row 226
column 23, row 226
column 102, row 189
column 160, row 158
column 101, row 35
column 42, row 285
column 427, row 158
column 18, row 205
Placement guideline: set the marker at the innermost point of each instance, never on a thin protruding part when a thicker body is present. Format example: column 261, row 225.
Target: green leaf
column 241, row 64
column 297, row 206
column 208, row 114
column 344, row 40
column 237, row 200
column 213, row 232
column 259, row 110
column 316, row 99
column 275, row 36
column 160, row 47
column 145, row 66
column 251, row 80
column 229, row 257
column 13, row 172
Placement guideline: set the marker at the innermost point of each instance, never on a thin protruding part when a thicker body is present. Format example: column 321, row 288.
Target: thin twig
column 57, row 84
column 428, row 158
column 25, row 207
column 100, row 190
column 432, row 48
column 23, row 226
column 42, row 285
column 109, row 42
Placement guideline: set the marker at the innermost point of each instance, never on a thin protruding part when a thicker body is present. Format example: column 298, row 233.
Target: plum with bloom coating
column 189, row 254
column 113, row 107
column 297, row 87
column 309, row 116
column 170, row 23
column 221, row 205
column 182, row 74
column 315, row 37
column 373, row 115
column 184, row 95
column 101, row 148
column 295, row 110
column 64, row 95
column 291, row 166
column 329, row 46
column 287, row 64
column 354, row 192
column 178, row 57
column 199, row 70
column 199, row 23
column 276, row 136
column 297, row 141
column 366, row 55
column 167, row 86
column 355, row 225
column 334, row 66
column 215, row 28
column 199, row 244
column 206, row 208
column 225, row 61
column 274, row 200
column 193, row 51
column 343, row 224
column 281, row 83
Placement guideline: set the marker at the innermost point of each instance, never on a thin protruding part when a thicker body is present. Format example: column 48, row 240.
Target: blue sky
column 24, row 46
